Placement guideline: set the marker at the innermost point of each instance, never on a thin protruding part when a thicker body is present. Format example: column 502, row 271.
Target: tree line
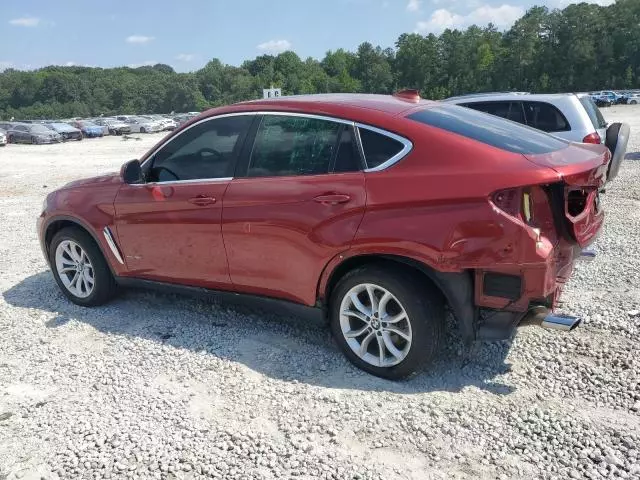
column 582, row 47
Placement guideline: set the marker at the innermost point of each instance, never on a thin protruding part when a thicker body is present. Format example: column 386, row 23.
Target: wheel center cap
column 375, row 323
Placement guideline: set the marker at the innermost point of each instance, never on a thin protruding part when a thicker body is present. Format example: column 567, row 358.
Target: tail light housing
column 592, row 138
column 530, row 205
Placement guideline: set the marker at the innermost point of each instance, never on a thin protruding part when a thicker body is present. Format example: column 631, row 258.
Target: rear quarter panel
column 434, row 205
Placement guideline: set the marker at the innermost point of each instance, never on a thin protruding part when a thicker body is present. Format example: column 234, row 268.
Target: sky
column 187, row 33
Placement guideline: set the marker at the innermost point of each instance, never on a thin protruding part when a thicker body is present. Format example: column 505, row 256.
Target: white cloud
column 6, row 65
column 275, row 46
column 139, row 39
column 414, row 5
column 502, row 16
column 146, row 63
column 186, row 57
column 25, row 22
column 70, row 64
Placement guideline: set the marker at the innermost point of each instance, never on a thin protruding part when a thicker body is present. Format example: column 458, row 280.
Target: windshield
column 593, row 111
column 489, row 129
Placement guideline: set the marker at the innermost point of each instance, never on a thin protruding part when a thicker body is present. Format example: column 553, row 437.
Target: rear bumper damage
column 526, row 297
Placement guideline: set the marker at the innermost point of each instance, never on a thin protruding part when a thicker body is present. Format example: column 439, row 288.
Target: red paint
column 284, row 236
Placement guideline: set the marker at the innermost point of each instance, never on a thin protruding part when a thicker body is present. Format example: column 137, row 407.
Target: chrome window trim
column 180, row 182
column 108, row 236
column 407, row 146
column 232, row 114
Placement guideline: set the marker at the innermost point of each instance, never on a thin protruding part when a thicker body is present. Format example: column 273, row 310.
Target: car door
column 169, row 226
column 297, row 204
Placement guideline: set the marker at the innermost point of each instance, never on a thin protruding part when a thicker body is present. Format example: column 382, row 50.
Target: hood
column 113, row 177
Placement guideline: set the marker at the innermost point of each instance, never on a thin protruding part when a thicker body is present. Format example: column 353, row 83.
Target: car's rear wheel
column 143, row 130
column 633, row 102
column 80, row 269
column 34, row 140
column 386, row 321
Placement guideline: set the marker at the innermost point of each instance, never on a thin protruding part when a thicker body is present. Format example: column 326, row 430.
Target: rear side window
column 499, row 109
column 545, row 117
column 509, row 110
column 287, row 146
column 489, row 129
column 378, row 148
column 593, row 111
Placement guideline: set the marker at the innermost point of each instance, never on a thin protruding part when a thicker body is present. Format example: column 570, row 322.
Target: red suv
column 377, row 211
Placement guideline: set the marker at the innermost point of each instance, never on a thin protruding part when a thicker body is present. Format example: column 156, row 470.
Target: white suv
column 573, row 117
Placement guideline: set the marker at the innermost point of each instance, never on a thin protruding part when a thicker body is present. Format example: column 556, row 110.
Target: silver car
column 573, row 117
column 140, row 124
column 3, row 138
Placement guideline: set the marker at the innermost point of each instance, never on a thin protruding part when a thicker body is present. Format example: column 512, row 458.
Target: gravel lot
column 170, row 387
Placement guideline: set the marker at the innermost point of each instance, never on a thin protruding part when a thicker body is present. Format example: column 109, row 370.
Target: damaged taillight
column 509, row 201
column 530, row 205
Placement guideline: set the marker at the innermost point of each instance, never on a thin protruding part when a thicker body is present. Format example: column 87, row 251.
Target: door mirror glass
column 131, row 172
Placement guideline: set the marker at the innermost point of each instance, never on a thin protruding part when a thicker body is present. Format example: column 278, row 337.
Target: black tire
column 143, row 130
column 34, row 141
column 422, row 303
column 9, row 138
column 104, row 288
column 633, row 102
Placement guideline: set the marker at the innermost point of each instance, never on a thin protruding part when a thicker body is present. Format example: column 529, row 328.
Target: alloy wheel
column 375, row 325
column 75, row 269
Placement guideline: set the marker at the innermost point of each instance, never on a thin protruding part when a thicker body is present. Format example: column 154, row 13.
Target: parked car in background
column 153, row 119
column 380, row 211
column 573, row 117
column 633, row 98
column 3, row 137
column 167, row 123
column 141, row 125
column 114, row 126
column 88, row 128
column 182, row 119
column 66, row 131
column 605, row 98
column 33, row 133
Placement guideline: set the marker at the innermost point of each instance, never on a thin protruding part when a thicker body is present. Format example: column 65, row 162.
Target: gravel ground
column 156, row 386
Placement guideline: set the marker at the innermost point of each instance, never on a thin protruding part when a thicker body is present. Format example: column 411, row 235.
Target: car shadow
column 632, row 156
column 277, row 346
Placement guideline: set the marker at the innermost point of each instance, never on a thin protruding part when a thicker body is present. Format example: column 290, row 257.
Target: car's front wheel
column 386, row 321
column 143, row 130
column 80, row 269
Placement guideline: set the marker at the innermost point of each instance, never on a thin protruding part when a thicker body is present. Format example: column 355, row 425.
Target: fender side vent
column 502, row 285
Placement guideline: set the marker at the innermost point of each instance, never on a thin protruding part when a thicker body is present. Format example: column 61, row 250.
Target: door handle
column 332, row 199
column 202, row 200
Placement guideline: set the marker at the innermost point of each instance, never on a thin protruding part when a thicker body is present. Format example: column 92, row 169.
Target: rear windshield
column 593, row 111
column 489, row 129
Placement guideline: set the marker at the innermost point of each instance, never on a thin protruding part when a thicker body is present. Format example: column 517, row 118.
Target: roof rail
column 410, row 94
column 482, row 94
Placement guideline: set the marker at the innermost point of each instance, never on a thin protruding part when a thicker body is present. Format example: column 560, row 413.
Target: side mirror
column 131, row 172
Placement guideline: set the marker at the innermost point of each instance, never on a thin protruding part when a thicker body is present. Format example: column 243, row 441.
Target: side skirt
column 314, row 314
